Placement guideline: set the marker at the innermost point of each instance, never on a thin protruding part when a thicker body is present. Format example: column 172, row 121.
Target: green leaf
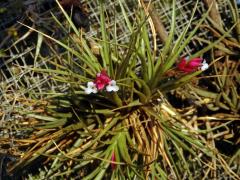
column 131, row 104
column 39, row 44
column 123, row 148
column 167, row 47
column 105, row 50
column 203, row 92
column 91, row 64
column 68, row 19
column 173, row 84
column 44, row 118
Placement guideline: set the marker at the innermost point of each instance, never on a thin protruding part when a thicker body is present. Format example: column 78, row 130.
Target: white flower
column 112, row 86
column 204, row 66
column 91, row 88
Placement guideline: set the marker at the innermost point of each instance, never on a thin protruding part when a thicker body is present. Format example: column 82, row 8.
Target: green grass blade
column 105, row 50
column 68, row 19
column 167, row 46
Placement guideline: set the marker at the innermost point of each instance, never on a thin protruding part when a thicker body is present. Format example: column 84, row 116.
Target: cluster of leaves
column 79, row 134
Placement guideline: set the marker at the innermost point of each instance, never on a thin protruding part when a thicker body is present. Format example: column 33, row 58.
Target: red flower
column 191, row 65
column 113, row 159
column 102, row 80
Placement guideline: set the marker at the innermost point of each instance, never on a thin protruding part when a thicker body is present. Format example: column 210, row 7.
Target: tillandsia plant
column 114, row 120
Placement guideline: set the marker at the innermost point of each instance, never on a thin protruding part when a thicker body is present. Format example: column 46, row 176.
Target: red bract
column 191, row 65
column 113, row 159
column 102, row 80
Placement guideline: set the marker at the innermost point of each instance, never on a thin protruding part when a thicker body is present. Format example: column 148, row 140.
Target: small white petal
column 109, row 88
column 94, row 90
column 88, row 90
column 90, row 84
column 204, row 66
column 116, row 88
column 113, row 82
column 112, row 86
column 91, row 88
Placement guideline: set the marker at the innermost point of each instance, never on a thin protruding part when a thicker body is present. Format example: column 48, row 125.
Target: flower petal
column 91, row 88
column 87, row 91
column 112, row 86
column 91, row 84
column 204, row 66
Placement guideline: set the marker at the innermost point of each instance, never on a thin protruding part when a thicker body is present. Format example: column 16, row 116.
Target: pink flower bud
column 191, row 65
column 113, row 159
column 102, row 80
